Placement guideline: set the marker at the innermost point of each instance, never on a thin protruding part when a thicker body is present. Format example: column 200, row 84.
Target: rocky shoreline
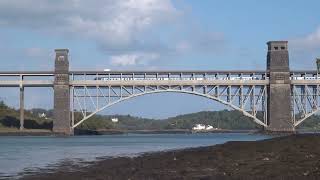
column 290, row 157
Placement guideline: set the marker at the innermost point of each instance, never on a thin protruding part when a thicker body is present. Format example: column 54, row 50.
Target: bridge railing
column 169, row 75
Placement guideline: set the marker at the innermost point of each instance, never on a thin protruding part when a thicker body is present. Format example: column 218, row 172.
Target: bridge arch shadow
column 208, row 96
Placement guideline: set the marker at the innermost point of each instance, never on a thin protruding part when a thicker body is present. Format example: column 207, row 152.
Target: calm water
column 27, row 154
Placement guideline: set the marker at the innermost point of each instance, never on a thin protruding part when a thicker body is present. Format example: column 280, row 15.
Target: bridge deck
column 27, row 83
column 93, row 83
column 305, row 82
column 148, row 78
column 168, row 83
column 51, row 73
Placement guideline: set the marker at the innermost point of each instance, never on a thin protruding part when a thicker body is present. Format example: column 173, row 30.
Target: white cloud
column 131, row 32
column 304, row 50
column 113, row 23
column 36, row 52
column 133, row 59
column 183, row 46
column 124, row 60
column 201, row 41
column 308, row 43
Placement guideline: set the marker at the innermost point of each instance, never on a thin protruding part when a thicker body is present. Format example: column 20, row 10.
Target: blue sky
column 153, row 34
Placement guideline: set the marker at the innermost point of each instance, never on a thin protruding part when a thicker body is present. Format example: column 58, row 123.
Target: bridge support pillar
column 61, row 121
column 279, row 89
column 21, row 107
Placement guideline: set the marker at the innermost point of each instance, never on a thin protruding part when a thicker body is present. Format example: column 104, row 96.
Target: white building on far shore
column 202, row 127
column 115, row 120
column 42, row 115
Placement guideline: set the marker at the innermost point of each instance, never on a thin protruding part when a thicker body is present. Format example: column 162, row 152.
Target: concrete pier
column 61, row 121
column 21, row 108
column 279, row 89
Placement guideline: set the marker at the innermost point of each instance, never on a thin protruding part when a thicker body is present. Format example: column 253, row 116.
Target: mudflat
column 290, row 157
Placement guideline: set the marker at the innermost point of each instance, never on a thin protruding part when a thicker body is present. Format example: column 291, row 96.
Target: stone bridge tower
column 61, row 121
column 279, row 89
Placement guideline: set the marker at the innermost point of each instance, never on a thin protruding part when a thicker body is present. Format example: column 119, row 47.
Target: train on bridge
column 201, row 78
column 176, row 79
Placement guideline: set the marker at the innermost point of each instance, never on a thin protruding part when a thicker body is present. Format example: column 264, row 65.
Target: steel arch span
column 249, row 99
column 305, row 101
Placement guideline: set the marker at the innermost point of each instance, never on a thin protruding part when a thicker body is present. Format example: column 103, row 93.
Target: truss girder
column 248, row 99
column 305, row 102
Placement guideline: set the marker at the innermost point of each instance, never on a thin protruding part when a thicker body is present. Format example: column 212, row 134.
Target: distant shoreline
column 25, row 132
column 81, row 132
column 171, row 131
column 36, row 132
